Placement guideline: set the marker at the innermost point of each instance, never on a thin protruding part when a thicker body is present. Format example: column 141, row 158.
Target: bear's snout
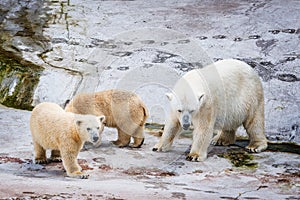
column 186, row 122
column 186, row 126
column 95, row 138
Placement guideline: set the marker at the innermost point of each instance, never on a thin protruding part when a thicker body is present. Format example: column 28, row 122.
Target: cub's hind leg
column 138, row 137
column 224, row 137
column 123, row 139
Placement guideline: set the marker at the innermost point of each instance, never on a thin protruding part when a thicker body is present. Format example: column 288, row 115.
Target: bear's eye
column 191, row 111
column 88, row 129
column 179, row 111
column 98, row 128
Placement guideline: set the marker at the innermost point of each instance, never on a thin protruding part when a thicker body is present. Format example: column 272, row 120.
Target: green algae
column 240, row 158
column 18, row 80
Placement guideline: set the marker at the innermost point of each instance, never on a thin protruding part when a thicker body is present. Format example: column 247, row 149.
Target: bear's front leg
column 40, row 154
column 71, row 165
column 201, row 141
column 171, row 129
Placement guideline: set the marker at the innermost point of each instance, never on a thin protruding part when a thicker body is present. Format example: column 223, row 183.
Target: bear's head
column 185, row 106
column 90, row 128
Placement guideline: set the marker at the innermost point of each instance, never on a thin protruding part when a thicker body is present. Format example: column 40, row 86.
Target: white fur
column 221, row 96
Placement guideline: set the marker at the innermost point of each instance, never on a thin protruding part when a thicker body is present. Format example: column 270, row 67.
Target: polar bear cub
column 64, row 133
column 220, row 97
column 124, row 110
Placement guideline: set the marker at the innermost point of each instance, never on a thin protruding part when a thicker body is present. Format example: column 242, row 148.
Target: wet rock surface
column 145, row 47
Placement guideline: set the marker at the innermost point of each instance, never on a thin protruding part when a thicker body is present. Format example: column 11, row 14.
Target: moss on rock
column 18, row 79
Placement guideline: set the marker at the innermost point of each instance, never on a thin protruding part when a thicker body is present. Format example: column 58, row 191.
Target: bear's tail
column 146, row 114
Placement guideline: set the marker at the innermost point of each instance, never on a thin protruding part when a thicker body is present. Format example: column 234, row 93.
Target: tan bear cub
column 64, row 133
column 123, row 110
column 220, row 97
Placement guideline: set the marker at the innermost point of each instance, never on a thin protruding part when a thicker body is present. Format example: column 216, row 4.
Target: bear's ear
column 200, row 97
column 102, row 118
column 169, row 96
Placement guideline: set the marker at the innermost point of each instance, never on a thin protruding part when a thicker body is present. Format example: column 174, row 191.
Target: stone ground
column 145, row 47
column 124, row 173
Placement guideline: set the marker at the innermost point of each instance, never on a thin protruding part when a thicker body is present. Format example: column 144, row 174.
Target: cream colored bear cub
column 123, row 110
column 220, row 97
column 64, row 133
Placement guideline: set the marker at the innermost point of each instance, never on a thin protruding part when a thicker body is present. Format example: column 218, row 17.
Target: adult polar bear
column 220, row 97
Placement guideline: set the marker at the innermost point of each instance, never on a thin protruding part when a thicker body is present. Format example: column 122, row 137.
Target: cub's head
column 185, row 107
column 90, row 128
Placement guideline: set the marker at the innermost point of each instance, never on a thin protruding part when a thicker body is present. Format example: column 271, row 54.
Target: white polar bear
column 220, row 97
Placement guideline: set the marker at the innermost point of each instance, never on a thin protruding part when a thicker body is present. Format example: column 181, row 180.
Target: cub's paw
column 79, row 175
column 119, row 143
column 194, row 157
column 257, row 147
column 84, row 176
column 223, row 140
column 40, row 161
column 138, row 142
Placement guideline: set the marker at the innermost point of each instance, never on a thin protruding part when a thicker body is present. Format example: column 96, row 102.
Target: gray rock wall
column 145, row 46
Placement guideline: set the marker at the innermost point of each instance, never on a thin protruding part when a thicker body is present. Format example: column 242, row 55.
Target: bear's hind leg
column 254, row 126
column 40, row 154
column 55, row 156
column 138, row 137
column 224, row 138
column 123, row 139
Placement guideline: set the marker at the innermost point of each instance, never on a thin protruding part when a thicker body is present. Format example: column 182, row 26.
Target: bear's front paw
column 84, row 176
column 156, row 149
column 79, row 175
column 162, row 147
column 40, row 161
column 194, row 157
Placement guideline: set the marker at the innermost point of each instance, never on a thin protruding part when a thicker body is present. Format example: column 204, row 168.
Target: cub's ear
column 102, row 118
column 169, row 96
column 200, row 97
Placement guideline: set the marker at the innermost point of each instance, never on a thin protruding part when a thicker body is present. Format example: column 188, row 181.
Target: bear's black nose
column 185, row 126
column 95, row 138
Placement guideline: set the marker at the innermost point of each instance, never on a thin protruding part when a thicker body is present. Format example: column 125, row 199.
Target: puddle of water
column 279, row 147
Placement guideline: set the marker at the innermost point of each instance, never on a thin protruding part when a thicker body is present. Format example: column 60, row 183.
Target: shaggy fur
column 220, row 97
column 123, row 110
column 64, row 133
